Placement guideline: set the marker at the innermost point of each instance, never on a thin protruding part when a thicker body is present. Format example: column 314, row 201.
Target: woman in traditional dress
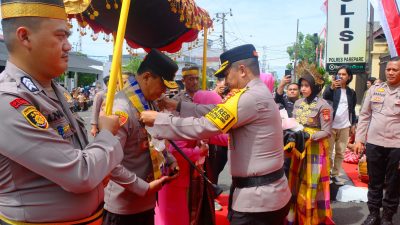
column 309, row 170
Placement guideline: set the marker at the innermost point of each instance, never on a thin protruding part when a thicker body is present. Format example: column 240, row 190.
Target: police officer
column 130, row 196
column 190, row 78
column 260, row 192
column 97, row 103
column 378, row 130
column 49, row 173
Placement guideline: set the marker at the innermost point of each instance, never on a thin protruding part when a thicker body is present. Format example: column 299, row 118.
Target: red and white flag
column 389, row 12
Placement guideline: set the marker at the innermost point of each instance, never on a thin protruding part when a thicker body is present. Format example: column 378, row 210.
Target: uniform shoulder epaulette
column 9, row 87
column 28, row 83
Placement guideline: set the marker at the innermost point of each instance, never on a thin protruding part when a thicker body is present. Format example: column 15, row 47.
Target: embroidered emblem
column 326, row 114
column 63, row 129
column 123, row 117
column 35, row 118
column 16, row 103
column 29, row 84
column 310, row 120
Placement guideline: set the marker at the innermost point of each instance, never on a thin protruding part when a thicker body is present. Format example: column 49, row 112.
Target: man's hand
column 286, row 80
column 359, row 148
column 167, row 103
column 148, row 117
column 156, row 185
column 336, row 83
column 94, row 130
column 110, row 123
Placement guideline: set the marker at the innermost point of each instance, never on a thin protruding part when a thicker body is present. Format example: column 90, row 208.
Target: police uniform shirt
column 126, row 191
column 254, row 149
column 183, row 96
column 45, row 176
column 379, row 119
column 317, row 114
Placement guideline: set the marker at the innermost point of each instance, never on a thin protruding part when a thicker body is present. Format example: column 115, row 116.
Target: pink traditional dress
column 181, row 202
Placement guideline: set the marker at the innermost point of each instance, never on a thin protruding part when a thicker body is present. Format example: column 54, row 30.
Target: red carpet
column 220, row 216
column 352, row 173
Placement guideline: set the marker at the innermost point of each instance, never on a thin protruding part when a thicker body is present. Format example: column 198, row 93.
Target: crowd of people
column 149, row 161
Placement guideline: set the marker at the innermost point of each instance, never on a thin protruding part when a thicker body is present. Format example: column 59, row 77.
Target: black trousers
column 383, row 163
column 217, row 156
column 143, row 218
column 260, row 218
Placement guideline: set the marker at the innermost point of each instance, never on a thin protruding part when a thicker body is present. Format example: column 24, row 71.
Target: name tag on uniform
column 377, row 99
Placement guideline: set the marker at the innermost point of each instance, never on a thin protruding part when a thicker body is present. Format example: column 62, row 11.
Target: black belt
column 243, row 182
column 246, row 182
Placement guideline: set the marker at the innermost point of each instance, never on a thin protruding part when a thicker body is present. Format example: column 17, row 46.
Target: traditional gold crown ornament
column 305, row 68
column 76, row 6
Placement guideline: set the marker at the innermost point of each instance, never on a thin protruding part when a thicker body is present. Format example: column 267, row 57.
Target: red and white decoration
column 389, row 12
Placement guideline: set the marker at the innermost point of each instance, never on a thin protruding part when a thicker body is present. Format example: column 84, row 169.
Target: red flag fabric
column 389, row 11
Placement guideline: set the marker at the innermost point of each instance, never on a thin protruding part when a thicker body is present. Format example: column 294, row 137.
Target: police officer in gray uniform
column 130, row 196
column 49, row 172
column 379, row 131
column 260, row 193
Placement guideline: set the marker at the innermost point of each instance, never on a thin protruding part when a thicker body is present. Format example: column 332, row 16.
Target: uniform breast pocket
column 313, row 119
column 376, row 104
column 396, row 108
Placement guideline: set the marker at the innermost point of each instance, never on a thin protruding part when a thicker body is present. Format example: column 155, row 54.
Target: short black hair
column 294, row 84
column 251, row 63
column 348, row 71
column 371, row 79
column 394, row 59
column 10, row 25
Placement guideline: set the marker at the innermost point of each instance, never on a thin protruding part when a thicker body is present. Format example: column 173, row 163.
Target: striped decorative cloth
column 136, row 97
column 309, row 183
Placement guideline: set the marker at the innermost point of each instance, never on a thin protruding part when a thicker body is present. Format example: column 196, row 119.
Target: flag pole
column 117, row 54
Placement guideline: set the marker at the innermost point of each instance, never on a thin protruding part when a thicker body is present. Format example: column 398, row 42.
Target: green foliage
column 133, row 65
column 86, row 79
column 305, row 48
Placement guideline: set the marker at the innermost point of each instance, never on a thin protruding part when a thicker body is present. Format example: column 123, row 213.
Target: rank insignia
column 67, row 97
column 123, row 117
column 326, row 114
column 29, row 84
column 16, row 103
column 380, row 90
column 310, row 120
column 35, row 118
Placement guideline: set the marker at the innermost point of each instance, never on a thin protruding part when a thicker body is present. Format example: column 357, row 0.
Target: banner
column 346, row 35
column 389, row 13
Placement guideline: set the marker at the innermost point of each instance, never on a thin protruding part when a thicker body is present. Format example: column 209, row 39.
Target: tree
column 133, row 65
column 305, row 48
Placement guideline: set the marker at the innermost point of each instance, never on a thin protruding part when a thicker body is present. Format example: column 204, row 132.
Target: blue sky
column 269, row 23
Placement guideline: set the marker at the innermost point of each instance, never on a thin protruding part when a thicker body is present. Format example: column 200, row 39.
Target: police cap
column 235, row 54
column 161, row 65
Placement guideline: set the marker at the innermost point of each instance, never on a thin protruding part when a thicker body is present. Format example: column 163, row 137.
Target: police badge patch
column 29, row 84
column 123, row 117
column 35, row 118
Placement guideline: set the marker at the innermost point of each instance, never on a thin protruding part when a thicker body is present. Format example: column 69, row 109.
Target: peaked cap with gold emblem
column 33, row 8
column 235, row 54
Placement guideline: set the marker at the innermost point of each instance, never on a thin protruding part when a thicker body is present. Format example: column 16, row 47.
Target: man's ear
column 242, row 70
column 146, row 76
column 22, row 36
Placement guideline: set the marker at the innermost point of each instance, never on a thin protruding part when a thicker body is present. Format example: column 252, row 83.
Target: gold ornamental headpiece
column 33, row 8
column 305, row 69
